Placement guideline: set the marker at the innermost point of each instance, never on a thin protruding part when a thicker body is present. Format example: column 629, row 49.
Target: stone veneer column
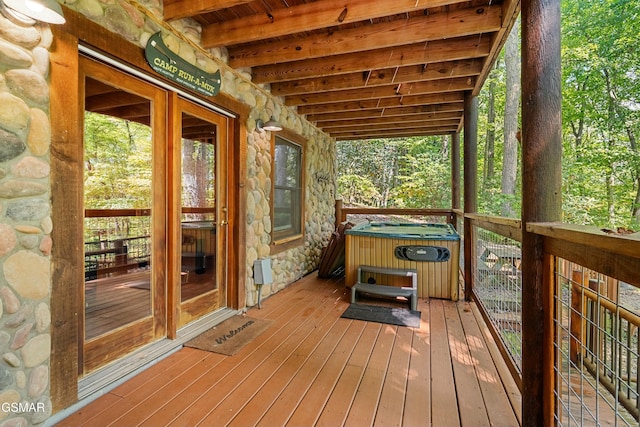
column 25, row 224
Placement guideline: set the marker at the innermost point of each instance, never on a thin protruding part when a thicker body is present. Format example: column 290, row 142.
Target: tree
column 489, row 152
column 511, row 110
column 601, row 94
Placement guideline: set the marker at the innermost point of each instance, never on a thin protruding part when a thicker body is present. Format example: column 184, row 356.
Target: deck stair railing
column 604, row 334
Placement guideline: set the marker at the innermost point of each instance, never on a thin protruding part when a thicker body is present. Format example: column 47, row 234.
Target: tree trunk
column 194, row 174
column 611, row 206
column 635, row 209
column 489, row 159
column 510, row 155
column 578, row 128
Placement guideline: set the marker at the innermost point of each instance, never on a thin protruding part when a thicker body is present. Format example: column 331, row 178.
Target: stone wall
column 291, row 264
column 25, row 222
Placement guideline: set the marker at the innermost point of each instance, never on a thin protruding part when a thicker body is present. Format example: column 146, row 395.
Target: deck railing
column 595, row 325
column 496, row 282
column 595, row 315
column 116, row 240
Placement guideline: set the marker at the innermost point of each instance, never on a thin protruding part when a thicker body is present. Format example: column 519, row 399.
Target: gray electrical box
column 262, row 272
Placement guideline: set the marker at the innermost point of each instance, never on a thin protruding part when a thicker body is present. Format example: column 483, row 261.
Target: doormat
column 230, row 336
column 380, row 314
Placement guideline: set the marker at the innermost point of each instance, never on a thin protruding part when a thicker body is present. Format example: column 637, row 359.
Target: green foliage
column 601, row 103
column 117, row 163
column 358, row 190
column 424, row 178
column 411, row 172
column 601, row 121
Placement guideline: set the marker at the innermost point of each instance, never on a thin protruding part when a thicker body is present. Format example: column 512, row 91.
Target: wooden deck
column 313, row 368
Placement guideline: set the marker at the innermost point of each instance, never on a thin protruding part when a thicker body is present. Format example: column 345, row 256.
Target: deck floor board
column 313, row 368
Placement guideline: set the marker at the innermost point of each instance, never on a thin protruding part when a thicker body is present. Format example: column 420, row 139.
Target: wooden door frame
column 185, row 312
column 66, row 155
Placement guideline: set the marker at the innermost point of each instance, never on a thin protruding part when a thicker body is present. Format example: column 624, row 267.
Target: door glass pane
column 117, row 200
column 198, row 249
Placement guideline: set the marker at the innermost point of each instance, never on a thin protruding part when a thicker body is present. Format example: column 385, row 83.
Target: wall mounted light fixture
column 271, row 125
column 27, row 12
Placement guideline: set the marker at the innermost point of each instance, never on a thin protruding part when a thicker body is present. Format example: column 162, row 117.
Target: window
column 288, row 192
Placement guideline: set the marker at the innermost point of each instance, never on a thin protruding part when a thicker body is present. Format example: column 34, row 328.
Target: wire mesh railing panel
column 596, row 348
column 497, row 282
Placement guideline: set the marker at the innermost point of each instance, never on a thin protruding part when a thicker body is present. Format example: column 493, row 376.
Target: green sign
column 165, row 62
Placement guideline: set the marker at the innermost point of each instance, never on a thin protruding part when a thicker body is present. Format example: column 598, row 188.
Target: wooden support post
column 455, row 180
column 470, row 187
column 339, row 218
column 541, row 200
column 67, row 275
column 455, row 170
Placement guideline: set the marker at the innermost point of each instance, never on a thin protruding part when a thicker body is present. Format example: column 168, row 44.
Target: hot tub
column 433, row 250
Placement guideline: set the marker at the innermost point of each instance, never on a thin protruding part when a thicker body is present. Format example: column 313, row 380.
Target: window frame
column 281, row 241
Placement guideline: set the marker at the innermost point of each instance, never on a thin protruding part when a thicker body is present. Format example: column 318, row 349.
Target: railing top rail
column 616, row 244
column 106, row 213
column 110, row 213
column 507, row 227
column 398, row 211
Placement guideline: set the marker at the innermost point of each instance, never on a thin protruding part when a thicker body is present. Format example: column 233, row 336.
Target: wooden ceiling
column 358, row 69
column 361, row 69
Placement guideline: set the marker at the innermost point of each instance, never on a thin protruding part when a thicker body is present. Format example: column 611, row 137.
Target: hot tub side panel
column 435, row 279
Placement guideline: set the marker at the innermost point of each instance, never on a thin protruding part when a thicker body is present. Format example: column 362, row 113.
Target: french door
column 124, row 289
column 155, row 213
column 199, row 205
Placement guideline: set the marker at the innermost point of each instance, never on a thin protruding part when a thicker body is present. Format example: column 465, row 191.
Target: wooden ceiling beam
column 414, row 73
column 382, row 128
column 456, row 23
column 390, row 134
column 306, row 17
column 415, row 54
column 510, row 13
column 427, row 110
column 205, row 131
column 446, row 126
column 178, row 9
column 370, row 104
column 388, row 91
column 403, row 121
column 113, row 99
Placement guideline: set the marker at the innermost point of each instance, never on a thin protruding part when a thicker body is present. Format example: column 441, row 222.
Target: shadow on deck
column 313, row 368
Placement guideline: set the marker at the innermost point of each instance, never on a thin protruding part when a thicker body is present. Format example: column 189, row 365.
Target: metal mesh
column 596, row 348
column 497, row 282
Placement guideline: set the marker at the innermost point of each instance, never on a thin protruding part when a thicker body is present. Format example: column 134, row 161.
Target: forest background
column 601, row 118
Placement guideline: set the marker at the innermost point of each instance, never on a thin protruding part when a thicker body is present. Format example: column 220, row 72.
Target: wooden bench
column 411, row 293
